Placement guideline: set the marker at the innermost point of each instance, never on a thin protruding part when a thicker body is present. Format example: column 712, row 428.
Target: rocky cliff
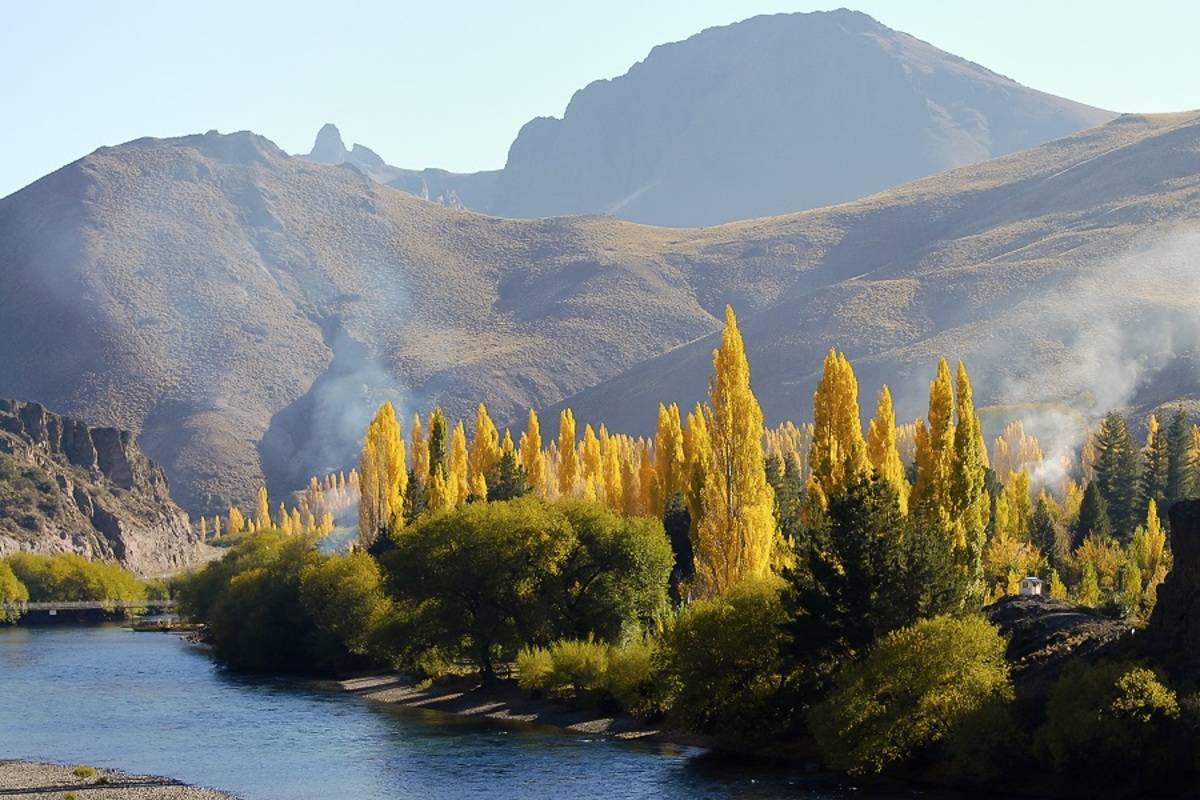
column 1174, row 630
column 66, row 487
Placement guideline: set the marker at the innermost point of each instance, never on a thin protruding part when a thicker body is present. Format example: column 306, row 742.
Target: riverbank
column 505, row 701
column 39, row 780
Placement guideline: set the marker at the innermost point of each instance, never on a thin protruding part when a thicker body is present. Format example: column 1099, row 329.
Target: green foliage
column 722, row 665
column 533, row 668
column 1181, row 461
column 72, row 577
column 1118, row 475
column 914, row 688
column 272, row 603
column 1093, row 516
column 11, row 591
column 1104, row 721
column 592, row 672
column 632, row 681
column 485, row 579
column 506, row 480
column 83, row 771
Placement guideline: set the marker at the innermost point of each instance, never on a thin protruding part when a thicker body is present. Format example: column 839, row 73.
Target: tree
column 1046, row 531
column 736, row 530
column 669, row 459
column 697, row 447
column 1181, row 462
column 1093, row 515
column 485, row 448
column 935, row 447
column 439, row 440
column 568, row 458
column 1156, row 463
column 12, row 591
column 838, row 451
column 507, row 480
column 1148, row 547
column 881, row 448
column 969, row 498
column 911, row 691
column 533, row 460
column 457, row 473
column 677, row 523
column 1117, row 474
column 262, row 514
column 723, row 667
column 420, row 451
column 383, row 476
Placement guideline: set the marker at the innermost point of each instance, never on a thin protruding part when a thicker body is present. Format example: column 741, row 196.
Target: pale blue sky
column 439, row 83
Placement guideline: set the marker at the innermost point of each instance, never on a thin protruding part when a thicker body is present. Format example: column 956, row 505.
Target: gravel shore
column 39, row 781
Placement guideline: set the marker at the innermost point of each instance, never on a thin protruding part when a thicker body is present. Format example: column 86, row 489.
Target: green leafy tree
column 723, row 667
column 12, row 591
column 911, row 692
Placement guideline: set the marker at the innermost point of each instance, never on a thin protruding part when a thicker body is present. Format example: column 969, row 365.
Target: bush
column 533, row 669
column 722, row 668
column 1108, row 721
column 83, row 771
column 911, row 691
column 631, row 679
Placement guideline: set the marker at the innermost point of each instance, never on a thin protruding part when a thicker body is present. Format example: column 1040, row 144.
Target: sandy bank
column 507, row 702
column 35, row 780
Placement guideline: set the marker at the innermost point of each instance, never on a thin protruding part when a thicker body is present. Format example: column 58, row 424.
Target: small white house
column 1031, row 585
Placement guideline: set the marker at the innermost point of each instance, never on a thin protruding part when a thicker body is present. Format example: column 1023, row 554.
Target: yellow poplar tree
column 262, row 514
column 590, row 458
column 532, row 457
column 568, row 459
column 485, row 449
column 669, row 458
column 697, row 448
column 614, row 493
column 237, row 522
column 736, row 531
column 970, row 505
column 881, row 447
column 382, row 475
column 650, row 494
column 420, row 449
column 935, row 445
column 458, row 479
column 838, row 451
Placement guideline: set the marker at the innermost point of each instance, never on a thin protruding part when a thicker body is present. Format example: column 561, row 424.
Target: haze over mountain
column 771, row 115
column 244, row 310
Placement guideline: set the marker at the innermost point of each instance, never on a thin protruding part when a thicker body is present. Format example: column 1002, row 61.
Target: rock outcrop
column 1044, row 634
column 67, row 487
column 1173, row 635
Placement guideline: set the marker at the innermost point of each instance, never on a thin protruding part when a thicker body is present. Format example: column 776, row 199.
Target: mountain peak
column 328, row 147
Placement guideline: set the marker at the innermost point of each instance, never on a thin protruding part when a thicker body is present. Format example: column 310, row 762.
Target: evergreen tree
column 1093, row 515
column 735, row 537
column 507, row 479
column 1181, row 462
column 1156, row 466
column 1117, row 474
column 677, row 522
column 439, row 440
column 1046, row 531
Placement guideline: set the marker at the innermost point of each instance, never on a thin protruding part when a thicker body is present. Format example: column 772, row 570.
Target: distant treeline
column 32, row 577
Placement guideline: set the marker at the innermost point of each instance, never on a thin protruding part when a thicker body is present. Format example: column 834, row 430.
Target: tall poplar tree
column 669, row 459
column 1156, row 463
column 882, row 451
column 935, row 446
column 382, row 476
column 838, row 451
column 969, row 497
column 533, row 460
column 736, row 532
column 485, row 449
column 568, row 457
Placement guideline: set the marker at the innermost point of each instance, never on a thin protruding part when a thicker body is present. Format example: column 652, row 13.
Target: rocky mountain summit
column 773, row 114
column 68, row 487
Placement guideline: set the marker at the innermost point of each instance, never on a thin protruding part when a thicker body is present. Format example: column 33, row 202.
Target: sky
column 449, row 84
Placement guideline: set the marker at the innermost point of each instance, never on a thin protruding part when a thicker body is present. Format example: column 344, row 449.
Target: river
column 151, row 703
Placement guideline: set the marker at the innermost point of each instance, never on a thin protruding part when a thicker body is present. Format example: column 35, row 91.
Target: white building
column 1031, row 585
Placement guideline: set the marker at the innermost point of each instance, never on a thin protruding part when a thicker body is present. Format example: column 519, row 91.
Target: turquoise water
column 151, row 703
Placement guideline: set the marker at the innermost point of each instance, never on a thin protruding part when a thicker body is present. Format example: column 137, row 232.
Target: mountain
column 66, row 487
column 767, row 116
column 244, row 311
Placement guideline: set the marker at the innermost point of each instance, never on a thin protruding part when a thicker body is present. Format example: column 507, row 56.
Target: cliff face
column 1174, row 629
column 66, row 487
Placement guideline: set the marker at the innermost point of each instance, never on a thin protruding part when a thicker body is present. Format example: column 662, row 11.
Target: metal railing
column 87, row 605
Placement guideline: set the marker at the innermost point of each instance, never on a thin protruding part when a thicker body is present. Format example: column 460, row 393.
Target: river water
column 151, row 703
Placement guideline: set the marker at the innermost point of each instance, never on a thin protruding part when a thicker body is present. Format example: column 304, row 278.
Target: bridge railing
column 87, row 605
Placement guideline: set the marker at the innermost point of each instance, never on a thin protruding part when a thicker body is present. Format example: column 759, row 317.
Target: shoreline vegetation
column 816, row 592
column 40, row 779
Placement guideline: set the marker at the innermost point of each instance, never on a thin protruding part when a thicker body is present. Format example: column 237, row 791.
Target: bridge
column 89, row 605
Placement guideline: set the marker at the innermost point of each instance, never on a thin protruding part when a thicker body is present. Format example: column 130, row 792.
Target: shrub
column 631, row 679
column 1106, row 721
column 533, row 668
column 722, row 667
column 578, row 668
column 911, row 690
column 83, row 771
